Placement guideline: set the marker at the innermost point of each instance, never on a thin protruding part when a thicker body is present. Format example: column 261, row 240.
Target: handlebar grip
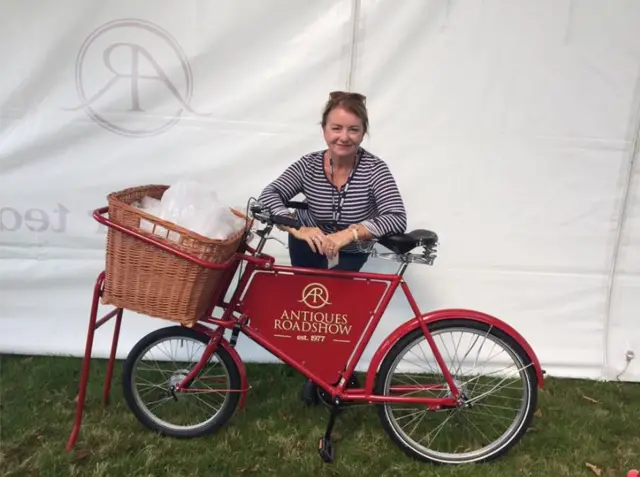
column 286, row 221
column 293, row 204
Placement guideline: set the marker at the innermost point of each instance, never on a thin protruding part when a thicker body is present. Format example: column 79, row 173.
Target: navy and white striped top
column 371, row 199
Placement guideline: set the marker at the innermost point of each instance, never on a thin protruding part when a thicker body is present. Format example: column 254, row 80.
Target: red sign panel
column 315, row 320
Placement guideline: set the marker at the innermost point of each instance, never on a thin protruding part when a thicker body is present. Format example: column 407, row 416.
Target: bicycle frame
column 248, row 300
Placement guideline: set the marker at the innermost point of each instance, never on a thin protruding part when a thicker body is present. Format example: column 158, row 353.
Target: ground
column 581, row 428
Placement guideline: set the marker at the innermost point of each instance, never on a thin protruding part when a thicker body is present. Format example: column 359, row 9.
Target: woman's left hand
column 334, row 242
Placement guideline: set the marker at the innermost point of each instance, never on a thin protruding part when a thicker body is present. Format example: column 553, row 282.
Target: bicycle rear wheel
column 500, row 401
column 161, row 360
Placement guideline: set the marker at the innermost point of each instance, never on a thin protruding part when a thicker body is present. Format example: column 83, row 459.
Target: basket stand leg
column 94, row 324
column 112, row 357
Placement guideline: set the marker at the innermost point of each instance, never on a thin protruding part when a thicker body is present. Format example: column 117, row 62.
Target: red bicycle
column 451, row 386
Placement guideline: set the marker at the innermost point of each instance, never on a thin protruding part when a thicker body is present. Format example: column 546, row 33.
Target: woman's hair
column 355, row 103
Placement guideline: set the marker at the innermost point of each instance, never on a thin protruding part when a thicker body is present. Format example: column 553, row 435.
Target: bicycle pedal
column 325, row 449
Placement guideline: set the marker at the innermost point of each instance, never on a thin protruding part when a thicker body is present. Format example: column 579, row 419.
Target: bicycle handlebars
column 263, row 215
column 397, row 244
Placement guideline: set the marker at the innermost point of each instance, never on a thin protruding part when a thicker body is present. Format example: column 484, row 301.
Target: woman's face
column 343, row 132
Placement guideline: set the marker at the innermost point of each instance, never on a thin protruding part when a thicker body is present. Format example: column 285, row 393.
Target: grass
column 578, row 423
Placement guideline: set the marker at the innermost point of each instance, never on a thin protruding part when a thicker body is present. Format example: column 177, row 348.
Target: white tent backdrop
column 511, row 127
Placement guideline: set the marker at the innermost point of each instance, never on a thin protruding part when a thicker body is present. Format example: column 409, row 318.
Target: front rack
column 262, row 262
column 98, row 215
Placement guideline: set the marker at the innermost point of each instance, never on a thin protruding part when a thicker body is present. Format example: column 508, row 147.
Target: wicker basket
column 146, row 279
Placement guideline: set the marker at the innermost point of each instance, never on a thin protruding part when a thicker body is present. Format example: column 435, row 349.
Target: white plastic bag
column 184, row 203
column 195, row 207
column 151, row 206
column 222, row 223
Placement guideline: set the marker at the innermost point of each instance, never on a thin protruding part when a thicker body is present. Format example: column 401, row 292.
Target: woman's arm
column 392, row 216
column 284, row 188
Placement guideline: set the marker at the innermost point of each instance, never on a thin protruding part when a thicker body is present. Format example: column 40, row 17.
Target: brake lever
column 278, row 240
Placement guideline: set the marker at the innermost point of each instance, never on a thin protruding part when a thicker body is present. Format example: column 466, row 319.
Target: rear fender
column 442, row 315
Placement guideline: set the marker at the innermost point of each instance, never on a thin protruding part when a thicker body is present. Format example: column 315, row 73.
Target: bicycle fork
column 215, row 338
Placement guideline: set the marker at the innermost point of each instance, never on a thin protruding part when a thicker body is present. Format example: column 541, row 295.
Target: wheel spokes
column 492, row 383
column 162, row 367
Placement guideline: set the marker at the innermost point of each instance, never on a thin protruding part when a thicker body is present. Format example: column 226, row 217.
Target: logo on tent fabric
column 133, row 78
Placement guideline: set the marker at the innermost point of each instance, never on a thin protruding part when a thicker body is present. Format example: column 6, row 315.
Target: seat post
column 403, row 265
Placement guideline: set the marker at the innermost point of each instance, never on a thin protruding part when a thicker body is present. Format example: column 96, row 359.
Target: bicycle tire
column 410, row 447
column 231, row 399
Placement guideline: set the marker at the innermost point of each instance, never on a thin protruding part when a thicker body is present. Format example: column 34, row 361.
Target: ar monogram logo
column 133, row 78
column 315, row 296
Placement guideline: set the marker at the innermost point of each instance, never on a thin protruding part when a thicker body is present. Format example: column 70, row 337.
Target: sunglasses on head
column 344, row 94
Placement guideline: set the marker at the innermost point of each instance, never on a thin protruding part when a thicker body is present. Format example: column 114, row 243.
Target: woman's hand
column 334, row 242
column 312, row 235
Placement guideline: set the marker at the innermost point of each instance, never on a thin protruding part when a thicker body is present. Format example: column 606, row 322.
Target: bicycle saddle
column 403, row 243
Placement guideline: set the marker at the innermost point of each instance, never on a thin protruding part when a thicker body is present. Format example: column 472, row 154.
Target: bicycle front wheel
column 495, row 376
column 162, row 359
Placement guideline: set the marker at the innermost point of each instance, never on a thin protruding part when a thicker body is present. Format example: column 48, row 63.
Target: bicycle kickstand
column 325, row 446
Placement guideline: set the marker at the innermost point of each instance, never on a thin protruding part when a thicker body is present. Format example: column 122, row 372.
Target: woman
column 351, row 194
